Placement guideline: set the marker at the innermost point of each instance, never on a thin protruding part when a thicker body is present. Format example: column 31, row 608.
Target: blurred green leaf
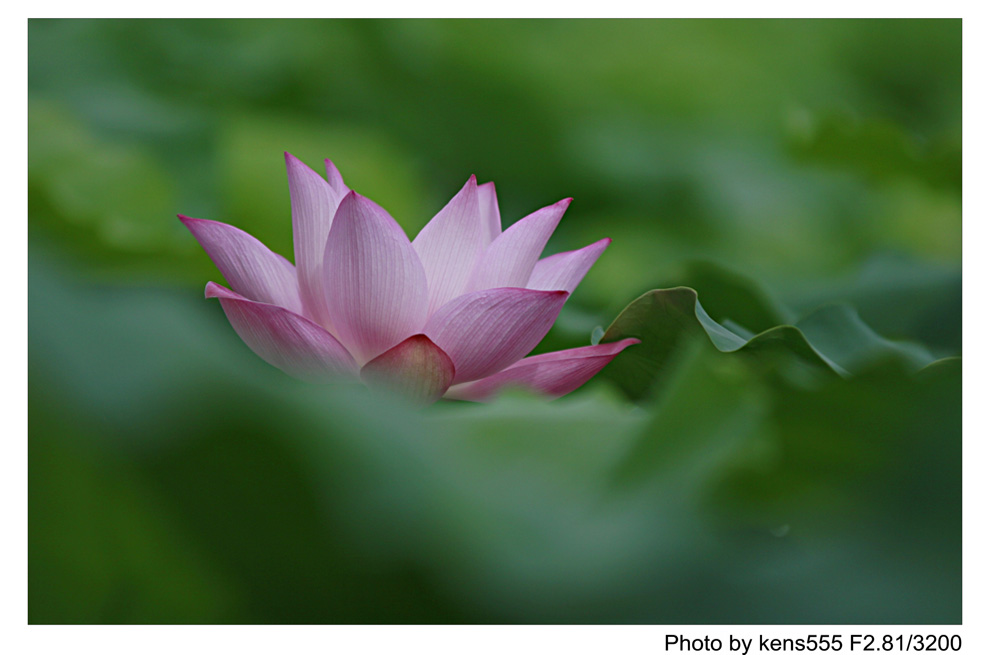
column 832, row 338
column 838, row 333
column 682, row 446
column 96, row 533
column 217, row 488
column 877, row 150
column 731, row 296
column 663, row 318
column 899, row 296
column 114, row 195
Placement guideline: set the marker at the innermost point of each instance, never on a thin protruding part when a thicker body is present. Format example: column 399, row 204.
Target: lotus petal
column 553, row 374
column 416, row 368
column 490, row 216
column 509, row 260
column 485, row 331
column 314, row 202
column 451, row 243
column 335, row 179
column 285, row 339
column 253, row 270
column 374, row 283
column 565, row 270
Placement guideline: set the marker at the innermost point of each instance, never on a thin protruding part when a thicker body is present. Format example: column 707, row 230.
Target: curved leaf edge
column 832, row 338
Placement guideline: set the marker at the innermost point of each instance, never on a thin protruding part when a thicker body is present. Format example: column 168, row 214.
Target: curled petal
column 374, row 282
column 251, row 269
column 416, row 369
column 285, row 339
column 451, row 243
column 314, row 202
column 565, row 270
column 552, row 374
column 509, row 260
column 485, row 331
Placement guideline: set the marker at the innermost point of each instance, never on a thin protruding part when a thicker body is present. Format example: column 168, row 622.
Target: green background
column 785, row 446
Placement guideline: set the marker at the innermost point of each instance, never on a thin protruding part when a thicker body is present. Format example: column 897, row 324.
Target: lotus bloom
column 451, row 313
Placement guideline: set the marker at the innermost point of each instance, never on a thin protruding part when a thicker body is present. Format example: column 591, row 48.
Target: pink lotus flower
column 451, row 313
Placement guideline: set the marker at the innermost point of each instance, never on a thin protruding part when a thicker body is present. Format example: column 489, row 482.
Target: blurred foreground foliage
column 784, row 446
column 195, row 484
